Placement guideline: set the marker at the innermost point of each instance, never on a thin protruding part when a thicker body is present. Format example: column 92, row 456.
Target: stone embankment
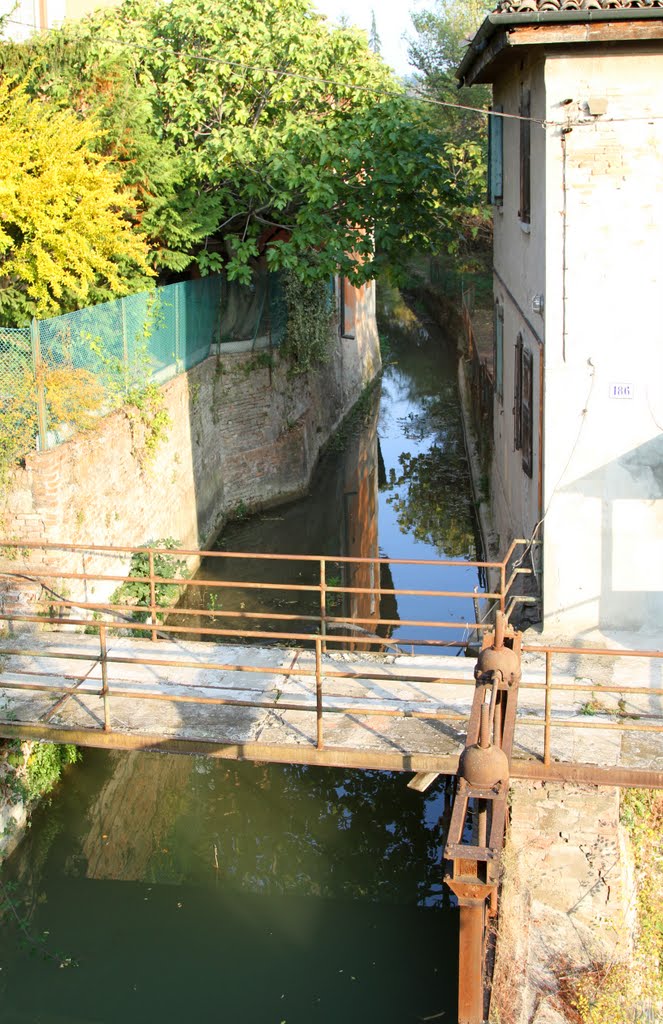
column 568, row 896
column 244, row 433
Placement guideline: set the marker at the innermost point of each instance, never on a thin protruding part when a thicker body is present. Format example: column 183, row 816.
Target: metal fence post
column 179, row 366
column 323, row 603
column 104, row 676
column 153, row 597
column 546, row 734
column 125, row 345
column 318, row 692
column 40, row 396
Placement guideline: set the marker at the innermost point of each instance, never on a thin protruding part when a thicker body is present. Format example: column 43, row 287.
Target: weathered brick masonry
column 242, row 435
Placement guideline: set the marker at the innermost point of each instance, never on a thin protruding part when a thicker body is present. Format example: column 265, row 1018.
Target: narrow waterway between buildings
column 163, row 888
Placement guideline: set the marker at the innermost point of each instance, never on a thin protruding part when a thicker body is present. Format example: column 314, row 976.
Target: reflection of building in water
column 133, row 815
column 359, row 532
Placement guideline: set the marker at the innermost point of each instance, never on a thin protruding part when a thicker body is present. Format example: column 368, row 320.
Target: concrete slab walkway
column 374, row 706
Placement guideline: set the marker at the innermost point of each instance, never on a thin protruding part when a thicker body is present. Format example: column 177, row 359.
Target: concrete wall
column 519, row 260
column 604, row 456
column 242, row 435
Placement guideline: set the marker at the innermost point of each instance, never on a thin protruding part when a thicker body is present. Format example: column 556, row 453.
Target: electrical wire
column 312, row 79
column 421, row 97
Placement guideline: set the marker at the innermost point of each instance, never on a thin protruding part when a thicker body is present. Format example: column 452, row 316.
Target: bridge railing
column 148, row 592
column 555, row 697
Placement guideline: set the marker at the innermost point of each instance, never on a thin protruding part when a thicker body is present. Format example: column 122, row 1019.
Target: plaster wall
column 519, row 275
column 242, row 435
column 603, row 483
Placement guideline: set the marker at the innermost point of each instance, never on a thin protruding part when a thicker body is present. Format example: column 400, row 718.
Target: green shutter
column 495, row 157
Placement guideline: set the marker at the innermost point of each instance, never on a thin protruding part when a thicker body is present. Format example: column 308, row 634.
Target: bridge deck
column 375, row 707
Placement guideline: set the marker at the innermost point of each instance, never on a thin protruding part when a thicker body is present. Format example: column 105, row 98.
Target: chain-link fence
column 253, row 316
column 60, row 375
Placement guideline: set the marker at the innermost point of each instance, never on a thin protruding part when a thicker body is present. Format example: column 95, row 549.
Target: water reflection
column 397, row 486
column 339, row 517
column 294, row 893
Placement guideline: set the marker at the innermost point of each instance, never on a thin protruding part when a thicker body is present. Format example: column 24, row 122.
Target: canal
column 165, row 888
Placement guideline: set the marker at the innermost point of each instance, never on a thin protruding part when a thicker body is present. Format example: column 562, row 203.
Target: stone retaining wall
column 243, row 435
column 568, row 897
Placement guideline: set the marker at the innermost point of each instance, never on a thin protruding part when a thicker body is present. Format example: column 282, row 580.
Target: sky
column 392, row 18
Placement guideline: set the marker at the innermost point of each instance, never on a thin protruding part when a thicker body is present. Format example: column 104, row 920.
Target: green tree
column 436, row 51
column 442, row 36
column 64, row 238
column 253, row 128
column 373, row 37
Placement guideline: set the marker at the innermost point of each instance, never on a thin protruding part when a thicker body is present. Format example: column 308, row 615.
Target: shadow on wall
column 627, row 506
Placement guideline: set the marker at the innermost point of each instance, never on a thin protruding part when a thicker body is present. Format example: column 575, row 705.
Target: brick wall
column 242, row 434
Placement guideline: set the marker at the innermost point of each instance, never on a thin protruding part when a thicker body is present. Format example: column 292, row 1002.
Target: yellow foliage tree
column 65, row 238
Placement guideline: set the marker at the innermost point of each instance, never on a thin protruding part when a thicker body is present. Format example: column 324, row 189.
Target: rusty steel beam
column 588, row 774
column 328, row 757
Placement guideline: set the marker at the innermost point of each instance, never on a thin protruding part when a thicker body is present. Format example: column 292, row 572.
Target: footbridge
column 310, row 659
column 327, row 660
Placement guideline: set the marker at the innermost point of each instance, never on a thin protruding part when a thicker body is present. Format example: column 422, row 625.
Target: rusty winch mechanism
column 476, row 831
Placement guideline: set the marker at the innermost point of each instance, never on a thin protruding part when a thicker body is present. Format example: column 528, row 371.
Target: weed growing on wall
column 72, row 397
column 615, row 993
column 128, row 384
column 310, row 325
column 137, row 591
column 31, row 770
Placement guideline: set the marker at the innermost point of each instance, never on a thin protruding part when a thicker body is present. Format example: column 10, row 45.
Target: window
column 498, row 350
column 524, row 210
column 348, row 308
column 527, row 410
column 518, row 395
column 495, row 157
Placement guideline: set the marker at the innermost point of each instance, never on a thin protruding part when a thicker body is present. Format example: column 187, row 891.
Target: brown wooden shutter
column 527, row 414
column 518, row 395
column 524, row 212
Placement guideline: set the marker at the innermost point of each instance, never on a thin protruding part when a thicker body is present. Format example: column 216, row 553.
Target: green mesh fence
column 18, row 400
column 253, row 316
column 62, row 374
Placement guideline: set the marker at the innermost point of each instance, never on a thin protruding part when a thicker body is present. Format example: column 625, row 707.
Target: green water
column 181, row 889
column 186, row 889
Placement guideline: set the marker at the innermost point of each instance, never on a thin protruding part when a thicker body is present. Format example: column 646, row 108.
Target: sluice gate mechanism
column 478, row 819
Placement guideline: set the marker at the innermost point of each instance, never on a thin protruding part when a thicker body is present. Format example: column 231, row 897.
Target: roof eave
column 495, row 23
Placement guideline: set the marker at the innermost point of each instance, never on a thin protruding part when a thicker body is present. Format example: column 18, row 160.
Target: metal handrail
column 322, row 672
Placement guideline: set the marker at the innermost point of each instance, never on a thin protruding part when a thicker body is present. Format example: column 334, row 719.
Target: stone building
column 576, row 186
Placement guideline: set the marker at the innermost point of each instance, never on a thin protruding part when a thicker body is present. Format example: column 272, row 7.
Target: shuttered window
column 498, row 350
column 495, row 157
column 527, row 413
column 524, row 210
column 348, row 308
column 518, row 395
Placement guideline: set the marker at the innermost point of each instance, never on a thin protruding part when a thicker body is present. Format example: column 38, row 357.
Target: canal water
column 163, row 888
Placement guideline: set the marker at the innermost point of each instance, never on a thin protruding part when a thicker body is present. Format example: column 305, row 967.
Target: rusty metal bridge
column 123, row 648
